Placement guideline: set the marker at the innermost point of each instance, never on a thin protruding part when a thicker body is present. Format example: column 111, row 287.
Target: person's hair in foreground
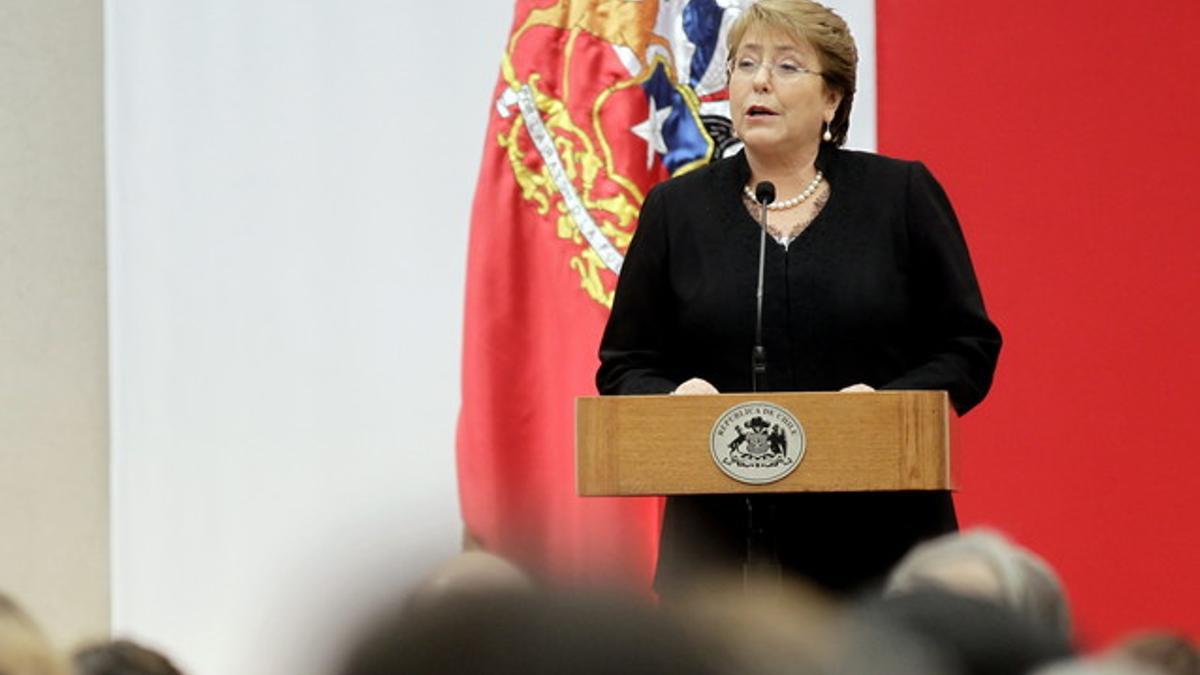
column 122, row 657
column 725, row 627
column 983, row 563
column 825, row 31
column 1097, row 665
column 977, row 636
column 1170, row 653
column 525, row 633
column 24, row 649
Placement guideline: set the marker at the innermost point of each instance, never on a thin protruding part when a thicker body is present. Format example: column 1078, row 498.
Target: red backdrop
column 1065, row 133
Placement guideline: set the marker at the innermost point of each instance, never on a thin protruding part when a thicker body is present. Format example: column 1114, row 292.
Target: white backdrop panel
column 289, row 192
column 290, row 186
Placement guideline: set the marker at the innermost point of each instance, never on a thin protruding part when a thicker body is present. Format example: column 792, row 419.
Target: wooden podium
column 660, row 445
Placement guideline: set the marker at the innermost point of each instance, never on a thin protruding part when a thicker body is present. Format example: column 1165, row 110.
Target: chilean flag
column 1065, row 134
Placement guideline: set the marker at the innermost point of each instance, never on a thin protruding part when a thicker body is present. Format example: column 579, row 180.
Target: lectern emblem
column 757, row 442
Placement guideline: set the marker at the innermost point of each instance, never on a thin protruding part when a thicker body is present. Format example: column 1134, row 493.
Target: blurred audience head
column 1096, row 665
column 983, row 563
column 726, row 628
column 1166, row 652
column 769, row 626
column 761, row 624
column 24, row 649
column 974, row 635
column 469, row 573
column 525, row 632
column 122, row 657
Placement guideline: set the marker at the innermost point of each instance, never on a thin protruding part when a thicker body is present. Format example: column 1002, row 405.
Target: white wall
column 290, row 185
column 860, row 16
column 289, row 191
column 54, row 538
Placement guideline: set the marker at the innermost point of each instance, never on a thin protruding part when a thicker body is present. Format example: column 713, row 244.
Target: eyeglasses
column 746, row 67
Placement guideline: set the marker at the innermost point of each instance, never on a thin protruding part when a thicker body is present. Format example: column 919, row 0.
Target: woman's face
column 777, row 98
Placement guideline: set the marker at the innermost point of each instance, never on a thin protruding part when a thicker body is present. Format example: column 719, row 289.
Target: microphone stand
column 758, row 358
column 764, row 194
column 762, row 555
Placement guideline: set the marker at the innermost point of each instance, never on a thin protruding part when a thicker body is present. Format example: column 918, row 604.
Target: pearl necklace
column 788, row 203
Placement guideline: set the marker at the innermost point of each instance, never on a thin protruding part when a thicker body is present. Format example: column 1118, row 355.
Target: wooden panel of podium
column 667, row 445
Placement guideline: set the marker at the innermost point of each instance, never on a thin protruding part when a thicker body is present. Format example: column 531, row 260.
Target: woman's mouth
column 759, row 111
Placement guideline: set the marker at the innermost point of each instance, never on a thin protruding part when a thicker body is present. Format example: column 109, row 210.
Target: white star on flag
column 651, row 131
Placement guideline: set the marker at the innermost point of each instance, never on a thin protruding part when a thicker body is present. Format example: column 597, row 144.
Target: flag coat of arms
column 597, row 101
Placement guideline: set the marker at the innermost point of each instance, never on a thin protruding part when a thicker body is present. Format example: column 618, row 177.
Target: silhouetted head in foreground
column 527, row 633
column 122, row 657
column 1168, row 652
column 985, row 564
column 976, row 635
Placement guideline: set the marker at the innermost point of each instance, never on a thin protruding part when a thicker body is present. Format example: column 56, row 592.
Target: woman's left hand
column 858, row 387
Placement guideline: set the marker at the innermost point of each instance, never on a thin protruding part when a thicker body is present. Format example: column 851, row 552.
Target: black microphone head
column 764, row 192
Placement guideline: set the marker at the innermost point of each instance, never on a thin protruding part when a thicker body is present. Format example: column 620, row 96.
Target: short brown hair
column 122, row 657
column 820, row 27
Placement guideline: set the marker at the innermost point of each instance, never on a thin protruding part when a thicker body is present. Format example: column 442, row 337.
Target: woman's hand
column 858, row 387
column 695, row 386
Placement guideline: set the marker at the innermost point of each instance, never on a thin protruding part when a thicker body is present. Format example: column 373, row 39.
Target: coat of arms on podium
column 757, row 442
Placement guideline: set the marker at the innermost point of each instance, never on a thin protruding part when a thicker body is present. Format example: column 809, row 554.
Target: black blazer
column 878, row 289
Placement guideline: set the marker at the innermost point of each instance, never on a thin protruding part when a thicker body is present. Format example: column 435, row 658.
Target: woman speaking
column 868, row 285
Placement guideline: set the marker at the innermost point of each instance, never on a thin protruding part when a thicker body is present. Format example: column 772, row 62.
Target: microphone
column 764, row 194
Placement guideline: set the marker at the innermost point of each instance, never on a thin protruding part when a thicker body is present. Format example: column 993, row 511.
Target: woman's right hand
column 695, row 386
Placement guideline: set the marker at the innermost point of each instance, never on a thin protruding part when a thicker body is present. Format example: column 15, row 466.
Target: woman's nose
column 762, row 77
